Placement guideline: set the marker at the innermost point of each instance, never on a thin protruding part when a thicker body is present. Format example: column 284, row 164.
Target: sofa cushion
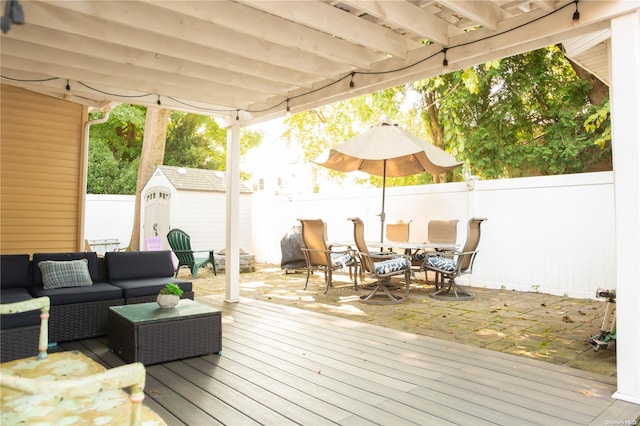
column 132, row 265
column 14, row 271
column 67, row 295
column 92, row 258
column 22, row 319
column 149, row 286
column 70, row 273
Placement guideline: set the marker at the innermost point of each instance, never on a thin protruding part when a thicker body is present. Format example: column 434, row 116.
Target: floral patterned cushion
column 392, row 265
column 108, row 407
column 441, row 263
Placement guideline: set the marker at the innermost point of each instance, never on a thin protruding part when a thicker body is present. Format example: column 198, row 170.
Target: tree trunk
column 599, row 91
column 434, row 128
column 153, row 143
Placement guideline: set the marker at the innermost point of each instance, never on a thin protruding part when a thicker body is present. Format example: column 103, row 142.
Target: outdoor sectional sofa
column 77, row 312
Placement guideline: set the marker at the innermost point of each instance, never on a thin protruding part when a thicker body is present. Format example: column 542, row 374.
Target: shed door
column 157, row 206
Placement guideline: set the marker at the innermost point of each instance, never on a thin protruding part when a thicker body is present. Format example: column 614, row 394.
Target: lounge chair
column 180, row 243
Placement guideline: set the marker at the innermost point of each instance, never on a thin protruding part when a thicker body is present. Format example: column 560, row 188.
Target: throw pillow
column 71, row 273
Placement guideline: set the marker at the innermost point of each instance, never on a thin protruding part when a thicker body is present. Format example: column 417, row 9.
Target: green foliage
column 192, row 141
column 114, row 151
column 172, row 288
column 524, row 115
column 195, row 141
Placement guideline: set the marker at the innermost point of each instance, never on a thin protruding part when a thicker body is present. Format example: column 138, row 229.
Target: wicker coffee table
column 146, row 333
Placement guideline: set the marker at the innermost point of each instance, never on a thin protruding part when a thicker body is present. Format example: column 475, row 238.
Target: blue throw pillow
column 71, row 273
column 441, row 263
column 392, row 265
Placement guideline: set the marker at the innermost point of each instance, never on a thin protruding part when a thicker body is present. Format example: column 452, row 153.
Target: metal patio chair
column 381, row 266
column 451, row 264
column 320, row 256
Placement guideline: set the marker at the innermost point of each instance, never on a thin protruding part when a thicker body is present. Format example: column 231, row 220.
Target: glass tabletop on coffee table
column 143, row 312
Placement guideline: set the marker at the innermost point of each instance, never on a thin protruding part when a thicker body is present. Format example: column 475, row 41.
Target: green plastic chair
column 180, row 243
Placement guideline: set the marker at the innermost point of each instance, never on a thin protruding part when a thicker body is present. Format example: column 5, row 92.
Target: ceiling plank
column 66, row 22
column 247, row 20
column 331, row 20
column 485, row 13
column 408, row 16
column 153, row 83
column 87, row 50
column 144, row 19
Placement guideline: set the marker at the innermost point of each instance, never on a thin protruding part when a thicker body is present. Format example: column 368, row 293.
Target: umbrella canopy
column 388, row 150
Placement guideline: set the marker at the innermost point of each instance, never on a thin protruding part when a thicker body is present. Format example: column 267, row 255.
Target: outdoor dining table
column 410, row 246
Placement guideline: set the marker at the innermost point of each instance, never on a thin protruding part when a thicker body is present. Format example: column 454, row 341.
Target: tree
column 521, row 116
column 152, row 155
column 115, row 147
column 114, row 151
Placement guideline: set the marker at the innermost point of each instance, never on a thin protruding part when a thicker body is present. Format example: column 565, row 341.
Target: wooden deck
column 282, row 366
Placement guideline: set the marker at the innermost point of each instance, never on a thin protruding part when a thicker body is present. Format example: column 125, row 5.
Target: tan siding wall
column 41, row 186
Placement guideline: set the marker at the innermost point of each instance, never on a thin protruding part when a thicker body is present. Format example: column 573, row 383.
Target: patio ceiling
column 252, row 59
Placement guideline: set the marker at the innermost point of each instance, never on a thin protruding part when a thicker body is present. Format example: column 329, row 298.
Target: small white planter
column 168, row 300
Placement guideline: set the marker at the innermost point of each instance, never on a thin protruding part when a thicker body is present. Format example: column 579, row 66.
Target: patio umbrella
column 388, row 150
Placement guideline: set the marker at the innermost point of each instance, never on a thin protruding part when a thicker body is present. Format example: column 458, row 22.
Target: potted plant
column 169, row 296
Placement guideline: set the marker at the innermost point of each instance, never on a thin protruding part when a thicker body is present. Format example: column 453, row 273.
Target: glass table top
column 142, row 312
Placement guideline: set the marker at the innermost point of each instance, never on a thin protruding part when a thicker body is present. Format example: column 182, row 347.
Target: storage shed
column 193, row 200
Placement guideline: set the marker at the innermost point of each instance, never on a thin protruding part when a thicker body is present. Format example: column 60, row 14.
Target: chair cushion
column 392, row 265
column 341, row 259
column 149, row 286
column 67, row 295
column 71, row 273
column 443, row 263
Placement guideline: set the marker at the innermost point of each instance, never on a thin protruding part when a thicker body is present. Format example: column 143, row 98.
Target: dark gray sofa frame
column 79, row 312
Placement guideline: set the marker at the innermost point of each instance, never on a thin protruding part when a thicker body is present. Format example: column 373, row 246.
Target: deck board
column 282, row 365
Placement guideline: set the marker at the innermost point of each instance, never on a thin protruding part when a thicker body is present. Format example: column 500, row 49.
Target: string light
column 351, row 75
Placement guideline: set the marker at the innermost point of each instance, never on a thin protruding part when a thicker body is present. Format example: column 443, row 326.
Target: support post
column 625, row 127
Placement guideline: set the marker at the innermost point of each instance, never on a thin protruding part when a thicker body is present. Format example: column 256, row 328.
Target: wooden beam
column 408, row 16
column 247, row 20
column 327, row 18
column 140, row 20
column 485, row 13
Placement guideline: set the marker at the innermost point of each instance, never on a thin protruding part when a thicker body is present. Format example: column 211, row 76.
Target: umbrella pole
column 384, row 184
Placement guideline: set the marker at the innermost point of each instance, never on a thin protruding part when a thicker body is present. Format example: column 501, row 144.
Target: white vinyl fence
column 552, row 234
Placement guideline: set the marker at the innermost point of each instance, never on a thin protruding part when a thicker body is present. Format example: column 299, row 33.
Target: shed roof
column 187, row 179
